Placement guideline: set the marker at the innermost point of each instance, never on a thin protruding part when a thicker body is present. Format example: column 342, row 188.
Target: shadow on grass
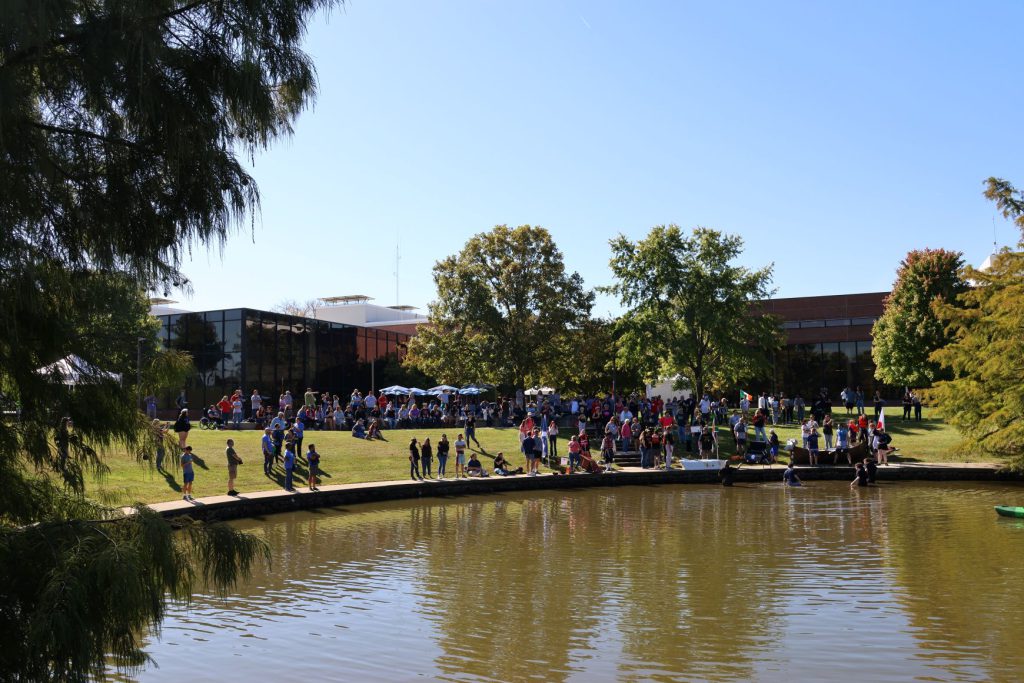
column 172, row 483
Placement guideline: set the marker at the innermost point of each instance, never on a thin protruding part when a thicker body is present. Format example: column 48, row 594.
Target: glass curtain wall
column 806, row 369
column 274, row 353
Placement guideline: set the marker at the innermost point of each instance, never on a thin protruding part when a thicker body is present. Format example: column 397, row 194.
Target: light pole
column 138, row 371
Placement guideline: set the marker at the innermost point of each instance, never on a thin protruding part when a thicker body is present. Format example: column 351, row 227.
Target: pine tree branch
column 81, row 132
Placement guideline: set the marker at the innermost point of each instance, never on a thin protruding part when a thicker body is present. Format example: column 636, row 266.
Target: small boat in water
column 1010, row 511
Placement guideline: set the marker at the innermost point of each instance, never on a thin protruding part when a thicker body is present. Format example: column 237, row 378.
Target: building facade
column 274, row 352
column 828, row 345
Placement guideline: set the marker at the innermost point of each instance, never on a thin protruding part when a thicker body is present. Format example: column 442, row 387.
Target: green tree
column 121, row 127
column 689, row 309
column 503, row 303
column 983, row 399
column 909, row 329
column 587, row 362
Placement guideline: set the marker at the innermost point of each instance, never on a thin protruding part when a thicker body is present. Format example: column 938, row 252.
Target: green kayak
column 1008, row 511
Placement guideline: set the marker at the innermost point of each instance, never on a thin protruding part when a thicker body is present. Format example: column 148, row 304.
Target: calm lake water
column 902, row 582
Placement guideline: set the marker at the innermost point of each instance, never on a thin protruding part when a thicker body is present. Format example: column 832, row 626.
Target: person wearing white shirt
column 256, row 401
column 370, row 401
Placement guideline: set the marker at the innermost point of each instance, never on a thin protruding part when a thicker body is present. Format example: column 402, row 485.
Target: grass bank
column 346, row 460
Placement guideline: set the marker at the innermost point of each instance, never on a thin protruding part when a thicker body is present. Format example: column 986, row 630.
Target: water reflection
column 656, row 583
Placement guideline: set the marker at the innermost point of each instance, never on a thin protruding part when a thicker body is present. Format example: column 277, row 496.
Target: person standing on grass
column 267, row 445
column 299, row 429
column 150, row 406
column 426, row 456
column 313, row 460
column 289, row 467
column 553, row 438
column 574, row 453
column 608, row 451
column 182, row 427
column 812, row 446
column 843, row 443
column 236, row 411
column 471, row 430
column 255, row 403
column 188, row 474
column 538, row 448
column 233, row 462
column 826, row 430
column 460, row 456
column 414, row 460
column 442, row 456
column 669, row 440
column 916, row 399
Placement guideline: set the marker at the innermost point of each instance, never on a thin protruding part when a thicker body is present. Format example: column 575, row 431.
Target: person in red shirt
column 224, row 405
column 862, row 424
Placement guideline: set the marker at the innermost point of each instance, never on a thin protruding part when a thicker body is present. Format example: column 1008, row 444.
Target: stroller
column 758, row 453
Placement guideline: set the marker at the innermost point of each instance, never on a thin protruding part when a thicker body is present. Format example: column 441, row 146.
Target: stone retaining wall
column 269, row 502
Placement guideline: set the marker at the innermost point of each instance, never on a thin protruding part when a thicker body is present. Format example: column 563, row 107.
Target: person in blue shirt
column 289, row 467
column 313, row 459
column 299, row 430
column 812, row 446
column 267, row 444
column 187, row 472
column 789, row 477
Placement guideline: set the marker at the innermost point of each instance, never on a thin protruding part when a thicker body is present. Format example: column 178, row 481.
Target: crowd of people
column 599, row 428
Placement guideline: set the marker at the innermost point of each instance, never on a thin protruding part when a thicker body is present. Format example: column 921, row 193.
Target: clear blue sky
column 833, row 137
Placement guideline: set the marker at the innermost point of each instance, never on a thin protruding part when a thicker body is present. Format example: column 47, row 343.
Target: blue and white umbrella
column 394, row 390
column 442, row 388
column 470, row 391
column 417, row 392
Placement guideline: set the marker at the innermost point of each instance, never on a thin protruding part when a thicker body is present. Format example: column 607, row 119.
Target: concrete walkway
column 256, row 503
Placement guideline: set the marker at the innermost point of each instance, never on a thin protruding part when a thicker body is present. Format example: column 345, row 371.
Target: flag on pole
column 880, row 423
column 745, row 395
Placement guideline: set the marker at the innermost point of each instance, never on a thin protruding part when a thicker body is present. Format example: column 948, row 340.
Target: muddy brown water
column 908, row 581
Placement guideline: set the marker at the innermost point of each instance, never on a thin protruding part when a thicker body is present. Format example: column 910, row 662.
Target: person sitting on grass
column 358, row 431
column 503, row 467
column 374, row 431
column 473, row 467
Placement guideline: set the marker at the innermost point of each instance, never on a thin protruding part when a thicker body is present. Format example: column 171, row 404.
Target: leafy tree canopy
column 120, row 129
column 689, row 308
column 502, row 304
column 983, row 399
column 909, row 329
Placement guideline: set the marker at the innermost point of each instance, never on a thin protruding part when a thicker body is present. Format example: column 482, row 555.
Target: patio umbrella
column 442, row 388
column 394, row 390
column 470, row 391
column 417, row 392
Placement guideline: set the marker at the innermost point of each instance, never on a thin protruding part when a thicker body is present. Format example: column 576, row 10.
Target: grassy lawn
column 345, row 460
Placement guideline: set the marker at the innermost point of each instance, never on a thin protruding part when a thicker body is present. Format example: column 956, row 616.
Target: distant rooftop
column 403, row 307
column 347, row 299
column 160, row 301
